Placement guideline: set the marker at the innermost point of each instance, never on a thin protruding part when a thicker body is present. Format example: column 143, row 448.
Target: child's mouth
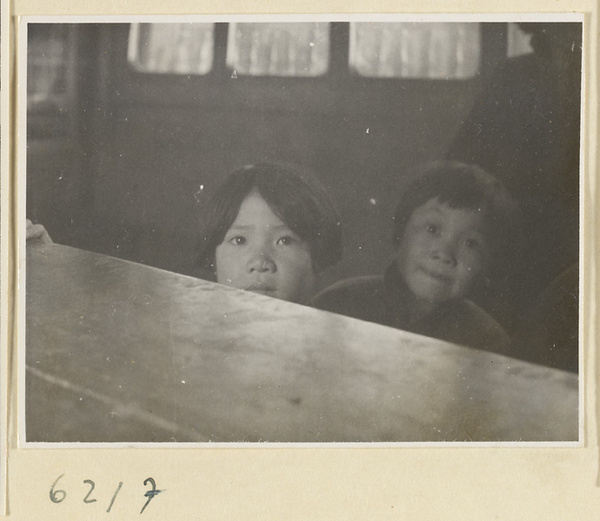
column 442, row 277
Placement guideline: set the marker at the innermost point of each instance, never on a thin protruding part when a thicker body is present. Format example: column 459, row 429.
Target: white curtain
column 278, row 49
column 172, row 48
column 47, row 56
column 415, row 50
column 518, row 41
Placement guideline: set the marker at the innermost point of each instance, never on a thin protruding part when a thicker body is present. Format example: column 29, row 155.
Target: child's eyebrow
column 283, row 227
column 276, row 227
column 241, row 226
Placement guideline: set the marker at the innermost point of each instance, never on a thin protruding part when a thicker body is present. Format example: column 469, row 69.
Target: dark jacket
column 384, row 300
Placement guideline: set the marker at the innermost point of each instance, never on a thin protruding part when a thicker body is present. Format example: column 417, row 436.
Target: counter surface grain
column 121, row 352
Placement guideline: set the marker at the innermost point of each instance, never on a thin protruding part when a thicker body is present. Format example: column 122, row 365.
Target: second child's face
column 260, row 253
column 442, row 252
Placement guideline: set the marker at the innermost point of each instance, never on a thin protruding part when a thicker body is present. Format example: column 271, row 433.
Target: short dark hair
column 466, row 186
column 293, row 194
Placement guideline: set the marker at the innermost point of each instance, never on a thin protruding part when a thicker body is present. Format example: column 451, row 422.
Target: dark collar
column 397, row 297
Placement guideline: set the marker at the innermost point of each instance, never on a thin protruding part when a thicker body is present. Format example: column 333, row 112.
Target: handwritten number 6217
column 59, row 495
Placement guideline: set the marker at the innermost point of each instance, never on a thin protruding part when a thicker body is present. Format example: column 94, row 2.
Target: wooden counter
column 120, row 352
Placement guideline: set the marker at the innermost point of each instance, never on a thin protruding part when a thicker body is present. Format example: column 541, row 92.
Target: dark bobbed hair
column 466, row 186
column 293, row 194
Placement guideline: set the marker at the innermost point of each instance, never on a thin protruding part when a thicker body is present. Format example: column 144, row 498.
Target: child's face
column 260, row 253
column 442, row 252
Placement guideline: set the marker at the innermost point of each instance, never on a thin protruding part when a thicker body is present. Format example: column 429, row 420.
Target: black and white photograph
column 300, row 230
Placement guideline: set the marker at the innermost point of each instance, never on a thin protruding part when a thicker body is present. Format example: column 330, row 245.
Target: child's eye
column 238, row 240
column 432, row 228
column 472, row 243
column 285, row 241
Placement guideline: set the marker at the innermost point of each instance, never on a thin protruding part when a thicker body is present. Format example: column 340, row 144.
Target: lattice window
column 415, row 50
column 278, row 49
column 47, row 59
column 172, row 48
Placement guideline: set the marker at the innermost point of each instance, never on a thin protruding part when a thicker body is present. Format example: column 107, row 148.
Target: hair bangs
column 292, row 194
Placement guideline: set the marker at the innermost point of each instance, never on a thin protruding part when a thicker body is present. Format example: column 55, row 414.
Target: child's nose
column 261, row 262
column 443, row 251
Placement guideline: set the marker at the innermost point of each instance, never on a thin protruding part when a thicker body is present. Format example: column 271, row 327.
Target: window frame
column 149, row 87
column 54, row 117
column 119, row 83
